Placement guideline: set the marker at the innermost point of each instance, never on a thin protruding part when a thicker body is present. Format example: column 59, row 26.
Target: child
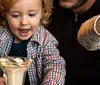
column 22, row 34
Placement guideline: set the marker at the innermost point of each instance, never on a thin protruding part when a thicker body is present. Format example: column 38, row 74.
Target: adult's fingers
column 2, row 81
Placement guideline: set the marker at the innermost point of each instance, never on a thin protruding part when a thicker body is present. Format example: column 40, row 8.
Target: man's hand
column 89, row 33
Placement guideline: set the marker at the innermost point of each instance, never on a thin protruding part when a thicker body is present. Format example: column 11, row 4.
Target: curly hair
column 5, row 6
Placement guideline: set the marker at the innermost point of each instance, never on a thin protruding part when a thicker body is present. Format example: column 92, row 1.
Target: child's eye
column 15, row 16
column 32, row 15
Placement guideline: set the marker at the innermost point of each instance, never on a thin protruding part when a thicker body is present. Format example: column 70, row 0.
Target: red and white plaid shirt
column 48, row 67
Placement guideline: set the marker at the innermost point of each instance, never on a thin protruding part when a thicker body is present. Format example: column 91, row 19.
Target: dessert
column 15, row 73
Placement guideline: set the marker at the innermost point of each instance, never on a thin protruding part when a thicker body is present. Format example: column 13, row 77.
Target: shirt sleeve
column 88, row 36
column 53, row 63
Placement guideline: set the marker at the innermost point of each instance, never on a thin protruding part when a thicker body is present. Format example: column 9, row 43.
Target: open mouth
column 23, row 32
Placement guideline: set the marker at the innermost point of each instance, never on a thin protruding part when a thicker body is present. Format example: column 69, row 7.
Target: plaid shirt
column 47, row 68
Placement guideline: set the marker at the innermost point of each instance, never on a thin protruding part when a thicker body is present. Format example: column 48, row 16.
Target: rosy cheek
column 35, row 26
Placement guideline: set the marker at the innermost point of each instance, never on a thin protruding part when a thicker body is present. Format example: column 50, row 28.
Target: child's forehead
column 25, row 3
column 12, row 2
column 26, row 6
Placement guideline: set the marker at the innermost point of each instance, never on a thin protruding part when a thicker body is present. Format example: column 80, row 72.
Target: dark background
column 83, row 66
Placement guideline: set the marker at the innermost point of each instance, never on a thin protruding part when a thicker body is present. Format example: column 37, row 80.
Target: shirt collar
column 38, row 36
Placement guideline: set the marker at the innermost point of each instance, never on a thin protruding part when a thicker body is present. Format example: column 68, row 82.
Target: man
column 78, row 6
column 83, row 65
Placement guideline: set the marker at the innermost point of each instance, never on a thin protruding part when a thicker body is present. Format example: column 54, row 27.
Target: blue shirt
column 19, row 50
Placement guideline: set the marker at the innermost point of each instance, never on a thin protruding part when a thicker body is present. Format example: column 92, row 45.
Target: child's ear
column 42, row 12
column 6, row 16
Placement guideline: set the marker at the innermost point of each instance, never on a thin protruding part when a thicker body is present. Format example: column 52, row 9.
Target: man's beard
column 81, row 2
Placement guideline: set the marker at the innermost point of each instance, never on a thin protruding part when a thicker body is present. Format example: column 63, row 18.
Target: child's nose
column 24, row 21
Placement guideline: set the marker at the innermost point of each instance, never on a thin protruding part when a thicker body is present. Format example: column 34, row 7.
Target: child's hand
column 2, row 81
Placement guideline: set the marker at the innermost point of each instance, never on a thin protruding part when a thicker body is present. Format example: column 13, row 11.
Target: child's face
column 24, row 18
